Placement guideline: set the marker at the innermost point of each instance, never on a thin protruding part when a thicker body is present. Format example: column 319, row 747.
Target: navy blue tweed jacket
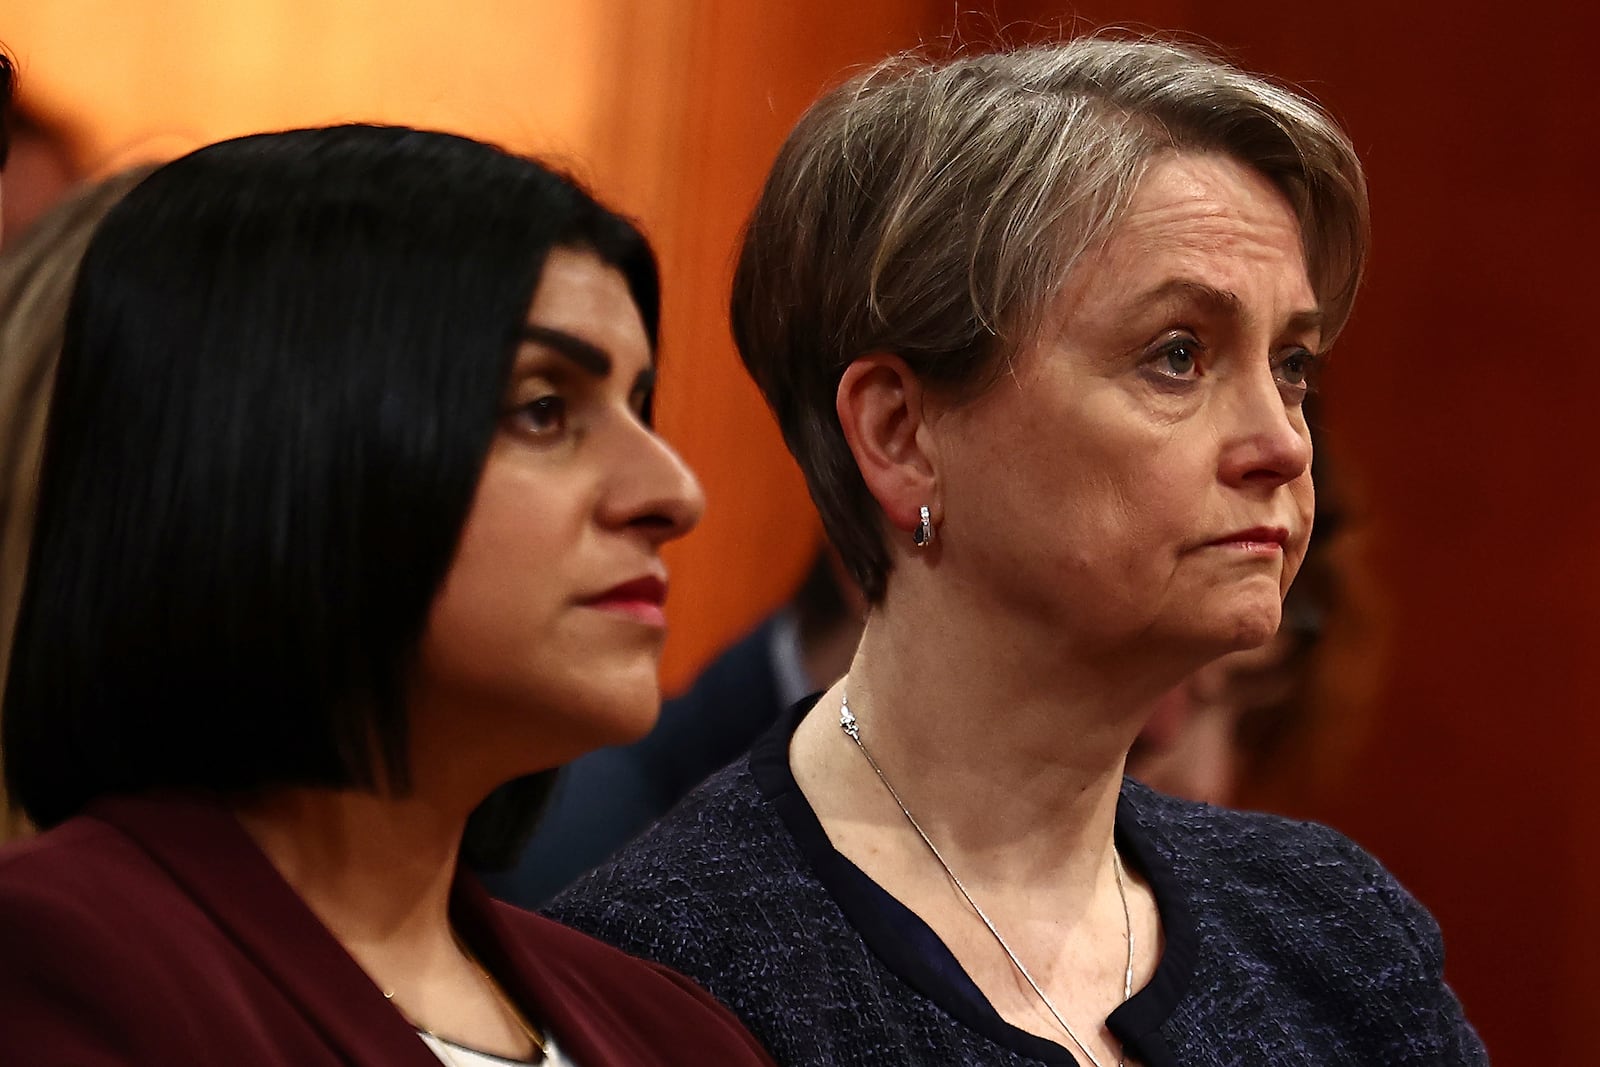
column 1285, row 943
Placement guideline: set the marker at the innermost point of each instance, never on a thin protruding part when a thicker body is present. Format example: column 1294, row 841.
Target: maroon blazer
column 151, row 931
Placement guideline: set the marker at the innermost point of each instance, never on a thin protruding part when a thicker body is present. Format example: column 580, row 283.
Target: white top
column 454, row 1055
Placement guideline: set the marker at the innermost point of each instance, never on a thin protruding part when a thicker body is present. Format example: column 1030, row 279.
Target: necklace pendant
column 847, row 722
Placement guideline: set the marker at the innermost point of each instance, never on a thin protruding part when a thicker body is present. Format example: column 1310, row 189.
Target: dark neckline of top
column 910, row 948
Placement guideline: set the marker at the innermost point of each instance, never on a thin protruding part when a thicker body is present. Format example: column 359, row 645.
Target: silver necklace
column 541, row 1050
column 847, row 722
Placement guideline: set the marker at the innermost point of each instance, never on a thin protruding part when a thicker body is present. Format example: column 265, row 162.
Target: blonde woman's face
column 1143, row 474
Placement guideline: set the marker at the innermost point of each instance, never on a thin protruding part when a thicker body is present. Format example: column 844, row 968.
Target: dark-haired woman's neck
column 376, row 870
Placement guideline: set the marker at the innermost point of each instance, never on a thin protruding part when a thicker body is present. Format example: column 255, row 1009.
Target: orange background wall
column 1463, row 395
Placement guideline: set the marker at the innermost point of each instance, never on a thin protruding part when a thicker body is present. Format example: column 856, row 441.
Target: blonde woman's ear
column 880, row 407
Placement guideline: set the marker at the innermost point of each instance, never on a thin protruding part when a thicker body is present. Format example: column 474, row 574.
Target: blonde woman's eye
column 1296, row 372
column 1178, row 359
column 1295, row 368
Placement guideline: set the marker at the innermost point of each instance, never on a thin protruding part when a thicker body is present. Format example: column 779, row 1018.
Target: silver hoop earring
column 922, row 536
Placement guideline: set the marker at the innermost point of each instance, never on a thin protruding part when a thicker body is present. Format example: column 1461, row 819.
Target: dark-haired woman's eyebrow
column 588, row 357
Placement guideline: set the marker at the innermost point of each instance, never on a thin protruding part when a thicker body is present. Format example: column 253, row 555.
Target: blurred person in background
column 350, row 511
column 37, row 269
column 35, row 156
column 1238, row 730
column 42, row 167
column 1038, row 327
column 7, row 87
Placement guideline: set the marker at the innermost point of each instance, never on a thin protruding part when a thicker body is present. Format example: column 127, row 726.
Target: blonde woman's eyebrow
column 1224, row 302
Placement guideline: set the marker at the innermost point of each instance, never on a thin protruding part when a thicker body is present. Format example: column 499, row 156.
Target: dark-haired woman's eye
column 542, row 418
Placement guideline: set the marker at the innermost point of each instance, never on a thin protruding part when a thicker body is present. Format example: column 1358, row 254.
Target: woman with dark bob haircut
column 1038, row 327
column 350, row 511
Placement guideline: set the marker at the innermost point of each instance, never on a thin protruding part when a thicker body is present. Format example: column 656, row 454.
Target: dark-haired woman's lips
column 641, row 599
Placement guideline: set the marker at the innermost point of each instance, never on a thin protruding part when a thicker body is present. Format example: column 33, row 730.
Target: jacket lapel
column 211, row 859
column 563, row 996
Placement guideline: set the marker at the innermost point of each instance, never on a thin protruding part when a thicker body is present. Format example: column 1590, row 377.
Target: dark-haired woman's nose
column 654, row 491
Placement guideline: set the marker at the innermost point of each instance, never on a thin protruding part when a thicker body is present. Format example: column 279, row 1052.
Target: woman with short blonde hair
column 1038, row 327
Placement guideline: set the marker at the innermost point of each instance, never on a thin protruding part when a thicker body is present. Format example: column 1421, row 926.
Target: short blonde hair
column 933, row 209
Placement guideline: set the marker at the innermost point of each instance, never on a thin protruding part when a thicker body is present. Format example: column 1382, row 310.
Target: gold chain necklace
column 847, row 722
column 541, row 1053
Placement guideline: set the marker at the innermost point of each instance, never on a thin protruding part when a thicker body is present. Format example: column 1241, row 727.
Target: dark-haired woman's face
column 546, row 637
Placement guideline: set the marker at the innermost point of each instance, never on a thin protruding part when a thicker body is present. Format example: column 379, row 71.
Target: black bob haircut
column 284, row 367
